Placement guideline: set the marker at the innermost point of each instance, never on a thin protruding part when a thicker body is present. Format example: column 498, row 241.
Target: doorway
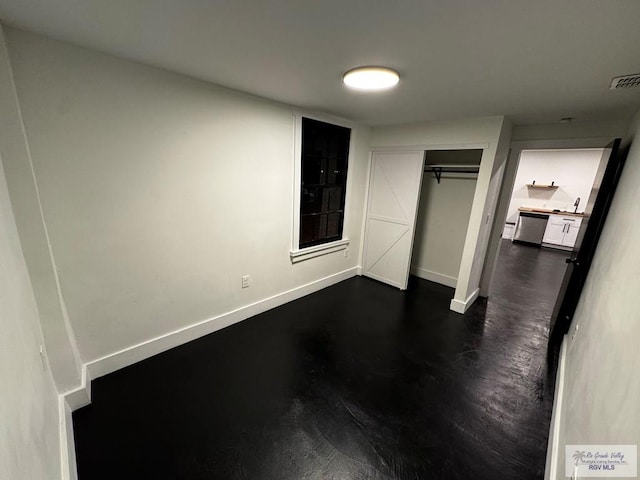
column 545, row 212
column 568, row 192
column 555, row 184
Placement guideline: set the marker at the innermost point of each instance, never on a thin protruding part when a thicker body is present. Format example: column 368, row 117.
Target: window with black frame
column 325, row 153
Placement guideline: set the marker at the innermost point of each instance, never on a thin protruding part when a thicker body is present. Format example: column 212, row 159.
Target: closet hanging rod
column 446, row 167
column 438, row 170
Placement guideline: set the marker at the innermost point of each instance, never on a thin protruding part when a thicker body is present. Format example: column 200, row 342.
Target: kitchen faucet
column 576, row 205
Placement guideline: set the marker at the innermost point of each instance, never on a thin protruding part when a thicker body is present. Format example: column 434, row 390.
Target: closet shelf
column 438, row 170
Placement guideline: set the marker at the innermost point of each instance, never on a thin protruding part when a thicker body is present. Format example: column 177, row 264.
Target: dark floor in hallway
column 358, row 381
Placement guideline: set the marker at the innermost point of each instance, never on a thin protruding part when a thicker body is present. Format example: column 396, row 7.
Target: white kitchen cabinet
column 571, row 235
column 554, row 233
column 562, row 230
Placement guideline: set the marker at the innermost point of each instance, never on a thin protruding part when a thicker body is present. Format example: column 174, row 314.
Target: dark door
column 595, row 214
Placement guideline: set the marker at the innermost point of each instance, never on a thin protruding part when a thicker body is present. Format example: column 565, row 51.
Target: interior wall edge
column 30, row 425
column 488, row 246
column 460, row 306
column 553, row 445
column 59, row 340
column 69, row 469
column 475, row 245
column 81, row 396
column 365, row 208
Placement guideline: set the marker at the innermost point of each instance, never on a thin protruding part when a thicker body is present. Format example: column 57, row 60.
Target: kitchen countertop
column 550, row 212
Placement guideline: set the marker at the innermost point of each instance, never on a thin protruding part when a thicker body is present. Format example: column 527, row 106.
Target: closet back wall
column 443, row 218
column 160, row 192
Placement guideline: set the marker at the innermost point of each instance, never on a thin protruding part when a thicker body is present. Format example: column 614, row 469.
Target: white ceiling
column 533, row 60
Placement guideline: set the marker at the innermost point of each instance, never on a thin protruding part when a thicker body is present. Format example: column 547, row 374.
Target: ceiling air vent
column 625, row 81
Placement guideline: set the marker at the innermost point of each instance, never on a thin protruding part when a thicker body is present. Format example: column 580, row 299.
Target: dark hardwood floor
column 358, row 381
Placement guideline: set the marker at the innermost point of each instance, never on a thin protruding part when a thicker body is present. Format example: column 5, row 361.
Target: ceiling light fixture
column 371, row 78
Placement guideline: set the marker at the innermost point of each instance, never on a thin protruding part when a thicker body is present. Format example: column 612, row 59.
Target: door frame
column 506, row 191
column 581, row 259
column 403, row 148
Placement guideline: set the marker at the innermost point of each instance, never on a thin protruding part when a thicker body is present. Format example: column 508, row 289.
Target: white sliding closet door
column 394, row 190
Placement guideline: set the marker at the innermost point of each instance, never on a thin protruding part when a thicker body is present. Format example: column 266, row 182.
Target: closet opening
column 446, row 197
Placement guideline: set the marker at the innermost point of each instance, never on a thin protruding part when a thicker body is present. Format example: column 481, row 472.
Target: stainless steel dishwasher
column 530, row 228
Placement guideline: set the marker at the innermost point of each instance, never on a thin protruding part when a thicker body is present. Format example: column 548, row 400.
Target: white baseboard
column 434, row 276
column 459, row 306
column 81, row 396
column 129, row 356
column 67, row 403
column 67, row 445
column 384, row 280
column 553, row 448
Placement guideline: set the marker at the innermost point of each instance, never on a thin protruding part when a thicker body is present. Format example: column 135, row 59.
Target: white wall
column 60, row 344
column 160, row 192
column 439, row 135
column 29, row 431
column 573, row 171
column 484, row 256
column 601, row 390
column 492, row 132
column 443, row 217
column 572, row 130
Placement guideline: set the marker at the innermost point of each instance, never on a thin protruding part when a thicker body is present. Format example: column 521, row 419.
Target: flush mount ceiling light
column 371, row 78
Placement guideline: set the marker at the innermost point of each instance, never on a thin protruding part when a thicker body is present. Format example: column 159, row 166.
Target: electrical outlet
column 246, row 281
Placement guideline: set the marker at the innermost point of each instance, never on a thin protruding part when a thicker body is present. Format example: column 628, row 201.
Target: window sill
column 312, row 252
